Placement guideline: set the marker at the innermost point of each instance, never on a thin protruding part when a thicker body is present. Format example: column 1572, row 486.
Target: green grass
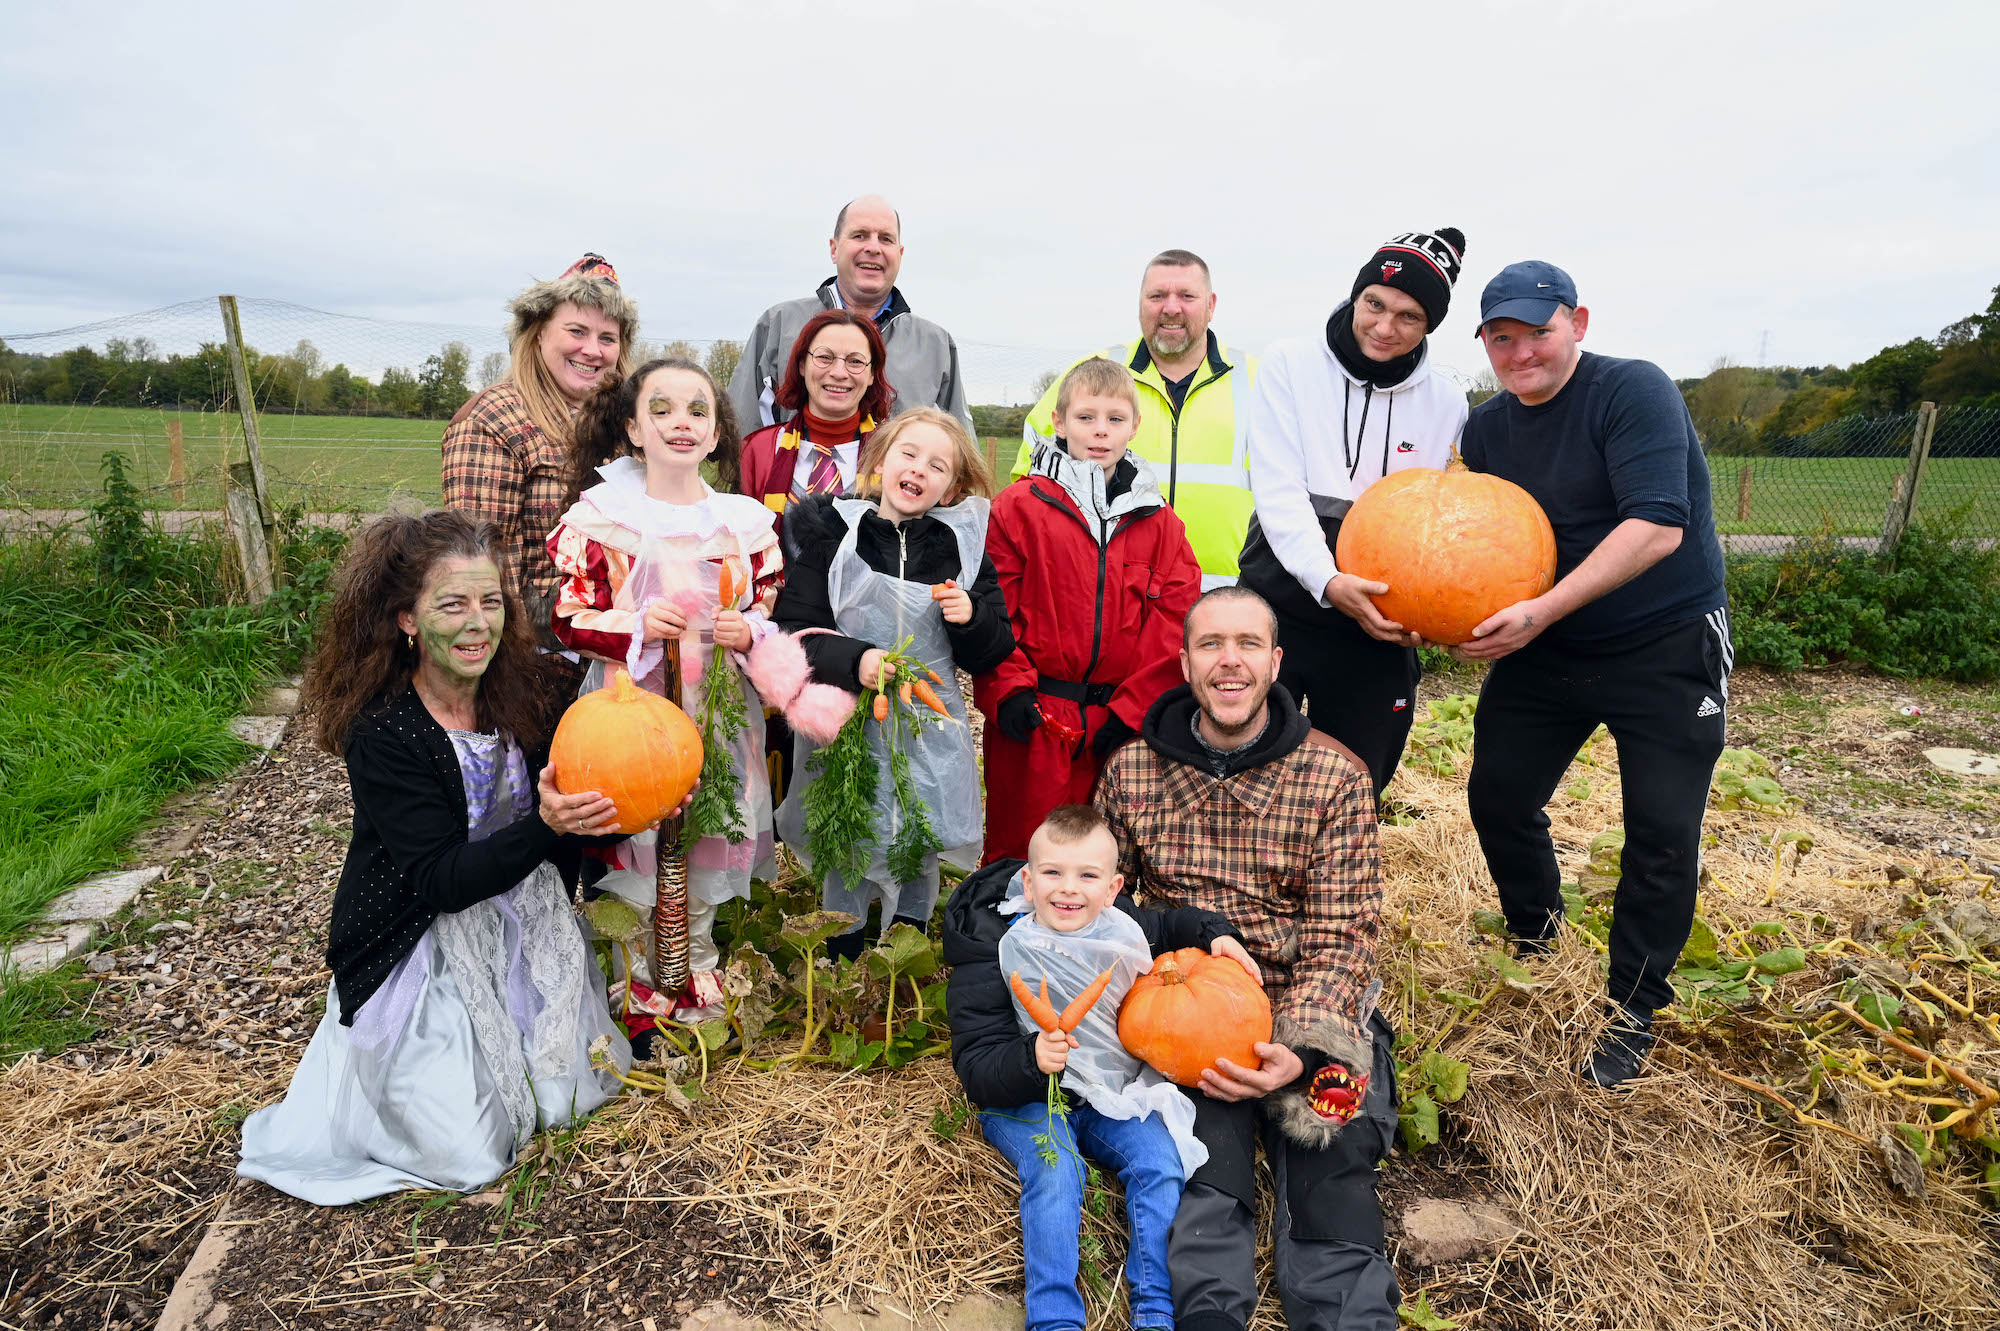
column 1849, row 496
column 51, row 456
column 44, row 1013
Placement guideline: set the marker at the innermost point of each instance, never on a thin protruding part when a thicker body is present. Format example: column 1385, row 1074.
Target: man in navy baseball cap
column 1531, row 291
column 1634, row 635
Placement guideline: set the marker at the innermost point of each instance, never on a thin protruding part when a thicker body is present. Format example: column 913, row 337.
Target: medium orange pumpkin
column 634, row 747
column 1191, row 1009
column 1455, row 546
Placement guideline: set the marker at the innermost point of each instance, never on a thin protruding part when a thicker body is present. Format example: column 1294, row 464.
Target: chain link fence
column 350, row 410
column 1842, row 478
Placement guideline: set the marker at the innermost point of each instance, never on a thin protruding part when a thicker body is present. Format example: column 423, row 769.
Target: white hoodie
column 1302, row 471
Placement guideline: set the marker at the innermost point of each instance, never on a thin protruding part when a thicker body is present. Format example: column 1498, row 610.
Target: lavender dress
column 477, row 1038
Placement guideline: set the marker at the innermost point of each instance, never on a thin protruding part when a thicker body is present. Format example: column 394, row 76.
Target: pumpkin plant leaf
column 612, row 917
column 1446, row 1076
column 1418, row 1120
column 1489, row 922
column 1780, row 961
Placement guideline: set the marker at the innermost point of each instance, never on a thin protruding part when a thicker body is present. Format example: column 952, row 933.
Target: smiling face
column 674, row 425
column 1098, row 428
column 918, row 472
column 1388, row 323
column 579, row 346
column 868, row 252
column 1070, row 883
column 1532, row 361
column 1175, row 305
column 457, row 619
column 834, row 389
column 1230, row 659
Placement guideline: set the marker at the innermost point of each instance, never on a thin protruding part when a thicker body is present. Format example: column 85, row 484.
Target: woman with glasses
column 833, row 380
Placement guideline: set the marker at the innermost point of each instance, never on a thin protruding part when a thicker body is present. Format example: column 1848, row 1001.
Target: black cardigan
column 409, row 860
column 814, row 530
column 993, row 1056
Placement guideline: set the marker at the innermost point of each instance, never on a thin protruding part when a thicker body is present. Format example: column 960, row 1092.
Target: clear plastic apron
column 718, row 869
column 881, row 609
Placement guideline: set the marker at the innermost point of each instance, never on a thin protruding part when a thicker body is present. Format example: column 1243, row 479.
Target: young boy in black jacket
column 1061, row 917
column 903, row 559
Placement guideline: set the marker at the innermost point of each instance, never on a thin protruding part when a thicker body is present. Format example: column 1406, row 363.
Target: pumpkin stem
column 1457, row 463
column 1168, row 971
column 624, row 690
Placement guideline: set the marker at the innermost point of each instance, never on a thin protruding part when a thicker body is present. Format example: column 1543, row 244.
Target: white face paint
column 674, row 427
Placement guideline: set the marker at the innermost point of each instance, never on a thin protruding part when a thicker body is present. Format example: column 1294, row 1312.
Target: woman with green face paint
column 465, row 1005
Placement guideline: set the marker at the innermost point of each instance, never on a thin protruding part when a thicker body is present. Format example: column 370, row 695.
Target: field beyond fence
column 53, row 461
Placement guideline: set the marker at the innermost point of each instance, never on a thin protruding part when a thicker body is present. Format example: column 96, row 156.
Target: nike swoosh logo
column 1541, row 284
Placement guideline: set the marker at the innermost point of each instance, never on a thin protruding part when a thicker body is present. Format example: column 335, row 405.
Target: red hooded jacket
column 1097, row 588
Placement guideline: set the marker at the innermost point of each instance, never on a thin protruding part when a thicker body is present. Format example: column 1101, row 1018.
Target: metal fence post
column 246, row 500
column 1903, row 499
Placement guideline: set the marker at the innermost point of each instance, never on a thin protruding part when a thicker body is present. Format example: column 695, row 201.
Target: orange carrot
column 881, row 707
column 1039, row 1010
column 903, row 692
column 927, row 696
column 725, row 591
column 933, row 674
column 1079, row 1007
column 938, row 589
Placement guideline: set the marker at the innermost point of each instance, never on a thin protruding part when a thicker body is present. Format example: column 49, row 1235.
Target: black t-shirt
column 1617, row 442
column 1177, row 389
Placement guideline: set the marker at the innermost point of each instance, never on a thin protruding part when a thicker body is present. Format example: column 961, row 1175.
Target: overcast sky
column 1712, row 174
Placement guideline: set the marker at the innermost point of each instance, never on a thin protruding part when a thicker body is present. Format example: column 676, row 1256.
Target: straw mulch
column 1690, row 1202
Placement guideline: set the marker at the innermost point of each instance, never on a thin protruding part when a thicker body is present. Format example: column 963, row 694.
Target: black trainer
column 1621, row 1051
column 1533, row 949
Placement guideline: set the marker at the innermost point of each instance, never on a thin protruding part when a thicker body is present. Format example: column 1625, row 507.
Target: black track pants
column 1332, row 1271
column 1358, row 689
column 1663, row 695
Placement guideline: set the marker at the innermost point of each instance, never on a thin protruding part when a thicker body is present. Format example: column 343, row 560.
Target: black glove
column 1018, row 717
column 1110, row 735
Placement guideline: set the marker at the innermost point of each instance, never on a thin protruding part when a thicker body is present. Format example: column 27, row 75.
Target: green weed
column 44, row 1013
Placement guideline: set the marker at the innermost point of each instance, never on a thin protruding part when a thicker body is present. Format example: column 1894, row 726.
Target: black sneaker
column 1533, row 949
column 1621, row 1051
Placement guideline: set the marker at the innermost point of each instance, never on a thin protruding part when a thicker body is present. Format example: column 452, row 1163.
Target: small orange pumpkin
column 634, row 747
column 1455, row 547
column 1191, row 1009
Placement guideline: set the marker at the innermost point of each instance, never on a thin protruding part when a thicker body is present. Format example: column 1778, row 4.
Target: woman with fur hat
column 506, row 452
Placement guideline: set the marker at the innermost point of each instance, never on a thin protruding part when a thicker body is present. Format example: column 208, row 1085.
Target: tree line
column 1787, row 410
column 130, row 372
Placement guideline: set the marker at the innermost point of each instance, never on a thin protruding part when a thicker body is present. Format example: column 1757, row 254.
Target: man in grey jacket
column 867, row 250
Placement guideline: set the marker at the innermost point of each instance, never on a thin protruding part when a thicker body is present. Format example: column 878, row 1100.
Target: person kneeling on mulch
column 1048, row 1097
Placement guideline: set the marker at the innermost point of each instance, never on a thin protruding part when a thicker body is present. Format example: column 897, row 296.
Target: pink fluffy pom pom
column 820, row 711
column 778, row 670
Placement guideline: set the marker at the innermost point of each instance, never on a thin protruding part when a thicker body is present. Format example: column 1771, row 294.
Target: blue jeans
column 1141, row 1153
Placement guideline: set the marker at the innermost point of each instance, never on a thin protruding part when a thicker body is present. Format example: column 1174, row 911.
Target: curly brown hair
column 363, row 658
column 601, row 427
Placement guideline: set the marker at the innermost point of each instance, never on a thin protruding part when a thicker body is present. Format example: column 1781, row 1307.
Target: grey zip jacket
column 922, row 369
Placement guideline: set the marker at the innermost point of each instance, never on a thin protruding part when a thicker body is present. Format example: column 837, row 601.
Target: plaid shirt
column 498, row 465
column 1286, row 852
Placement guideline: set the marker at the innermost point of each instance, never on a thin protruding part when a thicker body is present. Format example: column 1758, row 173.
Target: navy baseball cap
column 1530, row 291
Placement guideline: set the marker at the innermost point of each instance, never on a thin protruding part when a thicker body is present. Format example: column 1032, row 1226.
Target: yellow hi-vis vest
column 1199, row 454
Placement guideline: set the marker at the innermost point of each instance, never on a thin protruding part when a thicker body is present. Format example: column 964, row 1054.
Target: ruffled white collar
column 621, row 498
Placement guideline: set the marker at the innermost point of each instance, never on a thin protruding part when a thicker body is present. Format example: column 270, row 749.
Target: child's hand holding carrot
column 1052, row 1050
column 733, row 631
column 874, row 671
column 954, row 601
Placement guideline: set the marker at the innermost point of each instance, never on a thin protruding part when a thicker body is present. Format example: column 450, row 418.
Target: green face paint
column 458, row 619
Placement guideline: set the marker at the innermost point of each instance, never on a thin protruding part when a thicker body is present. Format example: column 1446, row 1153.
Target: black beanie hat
column 1422, row 265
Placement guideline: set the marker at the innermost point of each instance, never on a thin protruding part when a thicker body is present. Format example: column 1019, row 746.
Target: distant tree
column 1484, row 385
column 441, row 386
column 721, row 360
column 118, row 351
column 678, row 349
column 1043, row 383
column 399, row 394
column 1892, row 379
column 492, row 368
column 144, row 348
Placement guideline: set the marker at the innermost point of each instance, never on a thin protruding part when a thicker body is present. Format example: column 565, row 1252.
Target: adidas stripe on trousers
column 1663, row 693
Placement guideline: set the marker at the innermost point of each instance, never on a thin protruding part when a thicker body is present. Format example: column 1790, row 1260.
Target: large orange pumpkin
column 1455, row 547
column 1191, row 1009
column 634, row 747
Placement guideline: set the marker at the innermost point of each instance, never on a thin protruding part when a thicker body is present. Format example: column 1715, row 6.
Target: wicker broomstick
column 670, row 894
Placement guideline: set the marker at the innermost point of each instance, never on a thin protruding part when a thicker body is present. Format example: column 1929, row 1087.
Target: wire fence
column 351, row 411
column 1841, row 479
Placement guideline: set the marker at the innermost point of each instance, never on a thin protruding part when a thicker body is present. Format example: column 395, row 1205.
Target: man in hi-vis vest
column 1194, row 398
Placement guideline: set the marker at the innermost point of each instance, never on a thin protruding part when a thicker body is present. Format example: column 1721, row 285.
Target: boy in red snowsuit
column 1098, row 575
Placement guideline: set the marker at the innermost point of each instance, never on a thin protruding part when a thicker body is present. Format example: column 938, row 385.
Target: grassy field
column 52, row 458
column 1792, row 496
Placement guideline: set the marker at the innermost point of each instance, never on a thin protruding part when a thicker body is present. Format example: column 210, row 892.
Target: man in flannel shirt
column 1234, row 804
